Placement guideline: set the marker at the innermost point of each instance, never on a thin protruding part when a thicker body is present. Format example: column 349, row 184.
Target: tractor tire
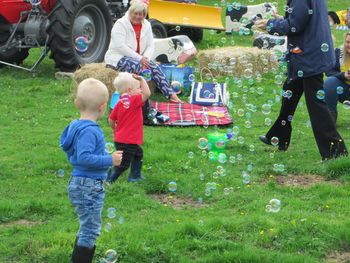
column 158, row 29
column 196, row 34
column 11, row 55
column 87, row 20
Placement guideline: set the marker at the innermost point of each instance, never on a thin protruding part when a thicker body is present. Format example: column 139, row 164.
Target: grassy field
column 38, row 224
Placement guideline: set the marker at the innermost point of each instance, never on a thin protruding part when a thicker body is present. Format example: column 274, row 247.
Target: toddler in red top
column 126, row 119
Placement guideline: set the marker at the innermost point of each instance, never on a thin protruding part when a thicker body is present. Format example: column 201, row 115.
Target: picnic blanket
column 185, row 114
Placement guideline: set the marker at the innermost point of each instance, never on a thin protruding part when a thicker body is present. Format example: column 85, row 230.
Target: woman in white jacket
column 132, row 46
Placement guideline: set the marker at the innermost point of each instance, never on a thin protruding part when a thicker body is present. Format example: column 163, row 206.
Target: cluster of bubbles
column 274, row 206
column 111, row 215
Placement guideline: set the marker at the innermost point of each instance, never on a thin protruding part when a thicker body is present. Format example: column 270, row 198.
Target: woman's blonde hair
column 346, row 55
column 138, row 6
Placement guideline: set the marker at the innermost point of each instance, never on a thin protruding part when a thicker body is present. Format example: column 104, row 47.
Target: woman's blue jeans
column 331, row 85
column 87, row 197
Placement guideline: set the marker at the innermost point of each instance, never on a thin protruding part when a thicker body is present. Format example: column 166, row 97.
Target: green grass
column 312, row 222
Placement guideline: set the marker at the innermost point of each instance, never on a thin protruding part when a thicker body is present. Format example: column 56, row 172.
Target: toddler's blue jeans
column 87, row 197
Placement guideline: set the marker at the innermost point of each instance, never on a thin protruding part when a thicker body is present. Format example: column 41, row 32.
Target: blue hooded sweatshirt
column 84, row 144
column 306, row 26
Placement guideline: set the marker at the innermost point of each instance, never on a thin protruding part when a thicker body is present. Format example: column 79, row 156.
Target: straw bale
column 234, row 61
column 99, row 72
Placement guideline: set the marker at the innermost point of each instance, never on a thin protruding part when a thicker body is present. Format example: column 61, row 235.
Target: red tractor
column 78, row 32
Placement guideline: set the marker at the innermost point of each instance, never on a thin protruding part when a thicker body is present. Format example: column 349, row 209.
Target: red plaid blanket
column 185, row 114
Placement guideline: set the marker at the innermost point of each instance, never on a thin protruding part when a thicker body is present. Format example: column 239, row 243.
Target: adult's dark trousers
column 132, row 157
column 329, row 141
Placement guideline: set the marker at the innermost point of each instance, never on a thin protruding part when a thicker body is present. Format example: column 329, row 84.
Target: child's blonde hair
column 346, row 55
column 125, row 80
column 91, row 94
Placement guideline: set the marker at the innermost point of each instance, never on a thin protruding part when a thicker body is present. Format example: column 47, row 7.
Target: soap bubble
column 223, row 40
column 235, row 130
column 278, row 79
column 60, row 173
column 201, row 177
column 346, row 105
column 109, row 147
column 191, row 155
column 222, row 158
column 240, row 140
column 121, row 220
column 112, row 212
column 340, row 90
column 221, row 171
column 251, row 148
column 172, row 186
column 232, row 159
column 274, row 206
column 239, row 157
column 207, row 192
column 275, row 141
column 226, row 191
column 147, row 75
column 200, row 200
column 267, row 121
column 177, row 28
column 246, row 177
column 324, row 47
column 240, row 112
column 266, row 109
column 81, row 44
column 248, row 124
column 110, row 256
column 191, row 77
column 108, row 227
column 215, row 175
column 287, row 94
column 300, row 73
column 203, row 143
column 320, row 94
column 200, row 222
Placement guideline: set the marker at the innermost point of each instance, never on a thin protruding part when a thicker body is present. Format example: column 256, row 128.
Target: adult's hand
column 175, row 98
column 261, row 24
column 145, row 63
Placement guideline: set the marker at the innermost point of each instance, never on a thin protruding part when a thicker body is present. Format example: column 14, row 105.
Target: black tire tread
column 60, row 42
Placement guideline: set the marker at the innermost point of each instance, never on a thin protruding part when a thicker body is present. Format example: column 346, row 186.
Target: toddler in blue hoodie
column 83, row 142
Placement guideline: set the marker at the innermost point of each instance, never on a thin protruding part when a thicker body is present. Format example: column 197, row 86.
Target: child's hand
column 137, row 77
column 117, row 157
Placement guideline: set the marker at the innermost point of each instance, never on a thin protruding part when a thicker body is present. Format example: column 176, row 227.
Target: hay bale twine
column 99, row 72
column 237, row 61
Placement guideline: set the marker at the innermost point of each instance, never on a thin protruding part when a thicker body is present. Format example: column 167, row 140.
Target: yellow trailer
column 165, row 16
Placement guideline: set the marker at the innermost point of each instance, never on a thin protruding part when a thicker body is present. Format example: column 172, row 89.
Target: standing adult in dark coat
column 310, row 54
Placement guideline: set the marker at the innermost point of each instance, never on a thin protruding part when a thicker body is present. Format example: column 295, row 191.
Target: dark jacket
column 307, row 28
column 336, row 70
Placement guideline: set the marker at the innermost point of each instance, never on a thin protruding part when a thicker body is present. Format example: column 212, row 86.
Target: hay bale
column 237, row 61
column 99, row 72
